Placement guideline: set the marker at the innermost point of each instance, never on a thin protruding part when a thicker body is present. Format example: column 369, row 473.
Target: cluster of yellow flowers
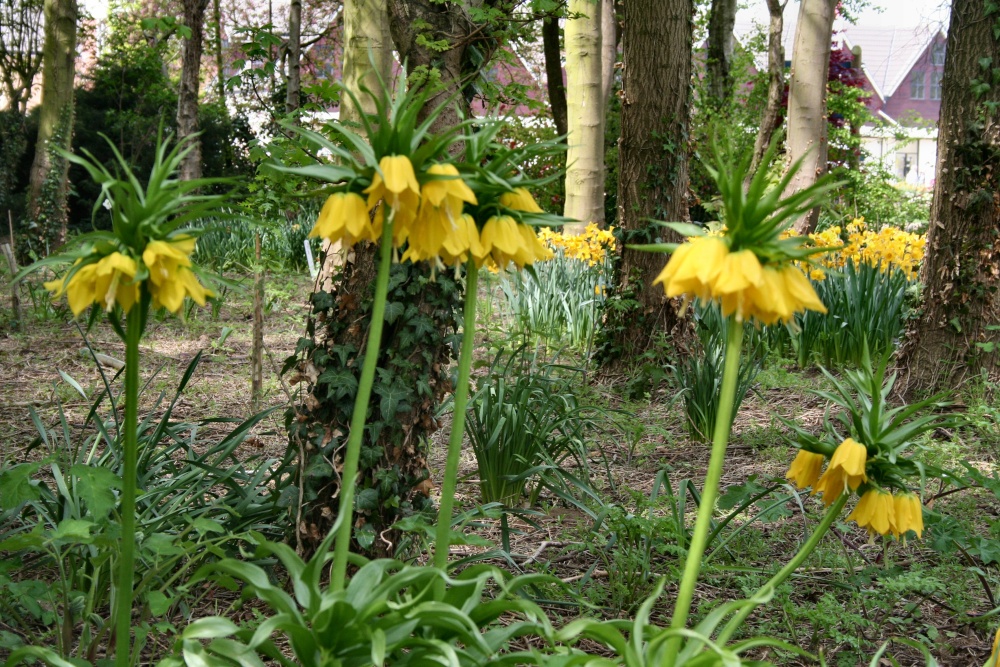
column 117, row 277
column 878, row 510
column 891, row 246
column 591, row 246
column 429, row 219
column 704, row 267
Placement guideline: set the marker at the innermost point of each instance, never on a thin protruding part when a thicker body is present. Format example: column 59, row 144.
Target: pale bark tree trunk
column 720, row 51
column 187, row 99
column 554, row 73
column 293, row 89
column 771, row 118
column 585, row 115
column 48, row 180
column 367, row 58
column 955, row 337
column 609, row 53
column 653, row 162
column 807, row 117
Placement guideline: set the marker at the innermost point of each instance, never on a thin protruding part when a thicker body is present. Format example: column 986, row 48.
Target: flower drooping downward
column 345, row 218
column 805, row 469
column 170, row 274
column 108, row 281
column 909, row 514
column 876, row 511
column 846, row 471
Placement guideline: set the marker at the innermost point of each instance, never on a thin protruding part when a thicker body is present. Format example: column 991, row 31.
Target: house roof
column 887, row 53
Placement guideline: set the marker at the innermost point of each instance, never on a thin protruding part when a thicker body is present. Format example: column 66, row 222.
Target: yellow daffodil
column 345, row 218
column 846, row 471
column 805, row 469
column 170, row 275
column 909, row 514
column 520, row 200
column 693, row 268
column 875, row 511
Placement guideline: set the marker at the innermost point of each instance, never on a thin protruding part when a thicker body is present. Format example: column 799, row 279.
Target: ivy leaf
column 393, row 400
column 366, row 500
column 393, row 311
column 95, row 486
column 340, row 382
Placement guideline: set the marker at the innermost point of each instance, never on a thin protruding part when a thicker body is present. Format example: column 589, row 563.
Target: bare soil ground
column 558, row 539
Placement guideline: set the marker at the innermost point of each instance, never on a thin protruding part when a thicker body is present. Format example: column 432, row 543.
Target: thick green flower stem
column 442, row 540
column 345, row 510
column 720, row 439
column 810, row 545
column 126, row 561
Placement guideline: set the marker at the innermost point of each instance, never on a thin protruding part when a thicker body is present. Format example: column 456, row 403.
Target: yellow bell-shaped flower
column 170, row 276
column 694, row 267
column 876, row 511
column 909, row 514
column 805, row 469
column 846, row 471
column 345, row 218
column 520, row 200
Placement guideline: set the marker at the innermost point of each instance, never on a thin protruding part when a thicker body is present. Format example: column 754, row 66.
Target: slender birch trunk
column 187, row 100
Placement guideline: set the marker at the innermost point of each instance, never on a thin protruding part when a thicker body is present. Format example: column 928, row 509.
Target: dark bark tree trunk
column 954, row 337
column 294, row 86
column 20, row 50
column 773, row 114
column 187, row 99
column 416, row 350
column 220, row 67
column 653, row 164
column 720, row 50
column 554, row 73
column 48, row 180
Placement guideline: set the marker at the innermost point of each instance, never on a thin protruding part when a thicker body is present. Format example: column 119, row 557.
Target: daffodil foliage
column 146, row 257
column 870, row 448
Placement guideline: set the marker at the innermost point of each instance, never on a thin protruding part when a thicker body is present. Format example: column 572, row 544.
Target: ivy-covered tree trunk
column 955, row 336
column 187, row 99
column 807, row 118
column 49, row 171
column 653, row 167
column 422, row 318
column 771, row 118
column 585, row 115
column 720, row 50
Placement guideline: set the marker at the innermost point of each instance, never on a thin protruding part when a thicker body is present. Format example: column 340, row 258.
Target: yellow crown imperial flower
column 345, row 218
column 693, row 268
column 846, row 471
column 876, row 511
column 532, row 249
column 805, row 469
column 170, row 276
column 436, row 191
column 396, row 183
column 464, row 241
column 909, row 514
column 107, row 281
column 500, row 238
column 520, row 200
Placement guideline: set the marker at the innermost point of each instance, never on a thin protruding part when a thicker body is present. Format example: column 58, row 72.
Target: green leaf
column 205, row 526
column 685, row 229
column 95, row 485
column 73, row 530
column 17, row 487
column 210, row 628
column 159, row 603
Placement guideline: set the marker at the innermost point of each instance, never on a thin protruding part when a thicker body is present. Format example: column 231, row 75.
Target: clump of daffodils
column 888, row 247
column 591, row 246
column 751, row 268
column 145, row 259
column 440, row 211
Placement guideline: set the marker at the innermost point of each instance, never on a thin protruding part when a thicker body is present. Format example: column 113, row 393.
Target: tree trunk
column 220, row 66
column 955, row 337
column 48, row 185
column 187, row 99
column 653, row 165
column 771, row 119
column 294, row 87
column 416, row 352
column 609, row 54
column 720, row 51
column 554, row 72
column 585, row 115
column 807, row 98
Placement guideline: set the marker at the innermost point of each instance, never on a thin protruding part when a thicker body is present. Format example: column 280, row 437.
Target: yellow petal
column 397, row 172
column 520, row 200
column 805, row 469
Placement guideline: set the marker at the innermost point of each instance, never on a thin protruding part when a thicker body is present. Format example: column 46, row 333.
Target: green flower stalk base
column 126, row 562
column 345, row 510
column 443, row 537
column 710, row 492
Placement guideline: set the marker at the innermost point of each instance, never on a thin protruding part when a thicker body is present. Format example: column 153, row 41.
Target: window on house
column 935, row 85
column 917, row 86
column 937, row 53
